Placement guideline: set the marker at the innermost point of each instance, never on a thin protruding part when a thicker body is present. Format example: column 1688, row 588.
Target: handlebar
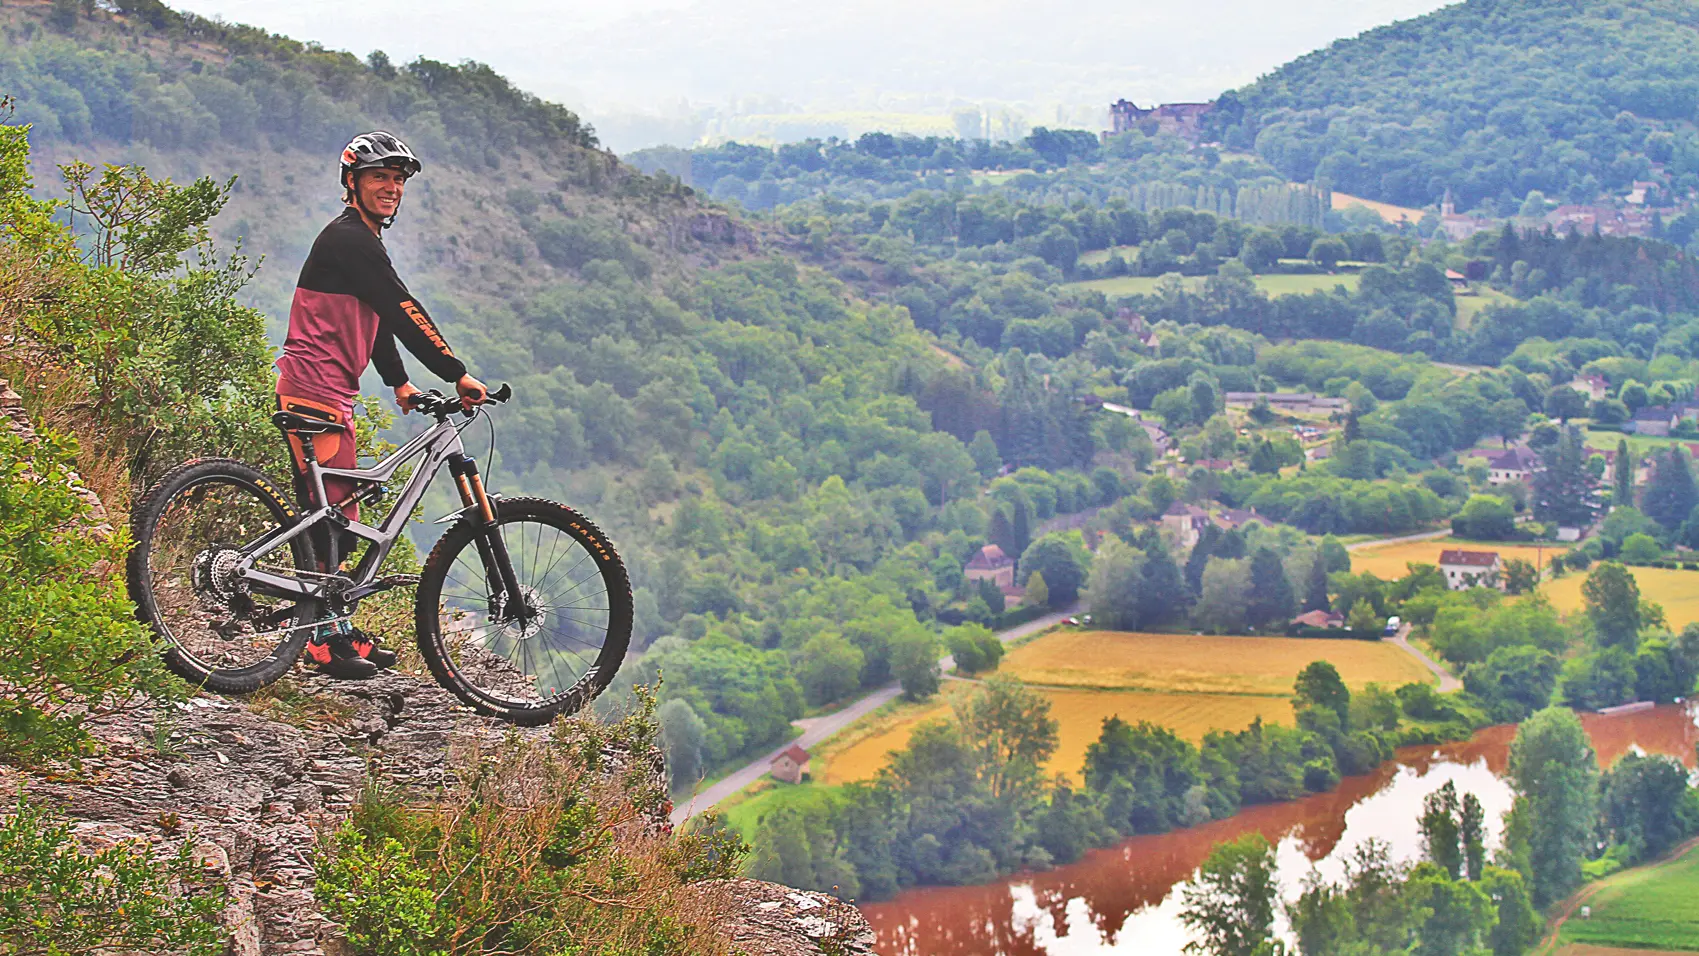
column 441, row 406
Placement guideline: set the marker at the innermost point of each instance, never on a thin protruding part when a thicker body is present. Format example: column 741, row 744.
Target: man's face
column 380, row 190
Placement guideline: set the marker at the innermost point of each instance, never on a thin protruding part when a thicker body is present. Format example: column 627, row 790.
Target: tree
column 1037, row 592
column 992, row 595
column 1230, row 906
column 914, row 661
column 1485, row 517
column 1440, row 830
column 1163, row 596
column 1513, row 681
column 1319, row 685
column 1518, row 926
column 1205, row 398
column 1226, row 591
column 1506, row 418
column 1271, row 598
column 1062, row 559
column 1010, row 728
column 1472, row 832
column 1115, row 592
column 1564, row 403
column 682, row 737
column 983, row 450
column 1453, row 917
column 974, row 647
column 1669, row 496
column 828, row 667
column 1264, row 459
column 1622, row 487
column 1640, row 548
column 1555, row 774
column 1612, row 599
column 1563, row 488
column 1520, row 576
column 1315, row 589
column 1327, row 251
column 1645, row 805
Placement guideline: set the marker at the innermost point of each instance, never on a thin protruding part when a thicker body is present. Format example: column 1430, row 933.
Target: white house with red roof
column 1471, row 569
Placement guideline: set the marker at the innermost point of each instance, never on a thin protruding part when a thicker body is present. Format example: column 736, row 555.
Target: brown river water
column 1125, row 899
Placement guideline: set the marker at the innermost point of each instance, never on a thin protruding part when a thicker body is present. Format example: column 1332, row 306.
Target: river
column 1125, row 899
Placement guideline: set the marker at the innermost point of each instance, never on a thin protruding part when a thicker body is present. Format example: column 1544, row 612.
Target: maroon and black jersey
column 349, row 309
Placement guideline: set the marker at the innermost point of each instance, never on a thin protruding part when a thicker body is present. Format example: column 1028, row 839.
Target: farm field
column 1469, row 306
column 1273, row 284
column 1389, row 561
column 1638, row 444
column 1080, row 715
column 743, row 812
column 1677, row 591
column 1201, row 664
column 1654, row 907
column 1387, row 210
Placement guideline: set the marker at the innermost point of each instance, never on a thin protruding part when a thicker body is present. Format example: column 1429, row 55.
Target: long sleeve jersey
column 349, row 309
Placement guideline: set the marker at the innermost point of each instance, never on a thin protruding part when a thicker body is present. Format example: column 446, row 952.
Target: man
column 349, row 309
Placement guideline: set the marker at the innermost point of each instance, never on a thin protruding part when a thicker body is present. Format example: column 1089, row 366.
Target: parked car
column 1392, row 625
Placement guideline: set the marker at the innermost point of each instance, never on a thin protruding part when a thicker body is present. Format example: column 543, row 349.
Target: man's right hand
column 472, row 392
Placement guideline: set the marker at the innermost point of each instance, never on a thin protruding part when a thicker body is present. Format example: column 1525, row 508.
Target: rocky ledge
column 253, row 783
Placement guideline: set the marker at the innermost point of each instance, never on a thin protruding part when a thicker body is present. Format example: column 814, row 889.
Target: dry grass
column 1387, row 211
column 1677, row 591
column 1201, row 663
column 1390, row 561
column 1080, row 715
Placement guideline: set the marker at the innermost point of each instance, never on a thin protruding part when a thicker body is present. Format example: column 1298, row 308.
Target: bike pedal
column 398, row 580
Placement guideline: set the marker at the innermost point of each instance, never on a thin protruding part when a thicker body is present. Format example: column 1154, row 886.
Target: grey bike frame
column 439, row 445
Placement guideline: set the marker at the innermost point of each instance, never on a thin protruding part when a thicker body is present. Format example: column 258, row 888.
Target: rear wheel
column 190, row 531
column 561, row 643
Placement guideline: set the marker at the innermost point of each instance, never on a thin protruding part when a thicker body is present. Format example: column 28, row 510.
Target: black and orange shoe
column 332, row 653
column 381, row 657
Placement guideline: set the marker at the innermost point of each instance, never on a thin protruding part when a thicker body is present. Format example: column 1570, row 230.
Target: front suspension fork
column 492, row 550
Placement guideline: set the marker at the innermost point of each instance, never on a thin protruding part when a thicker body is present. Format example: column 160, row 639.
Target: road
column 817, row 729
column 1446, row 681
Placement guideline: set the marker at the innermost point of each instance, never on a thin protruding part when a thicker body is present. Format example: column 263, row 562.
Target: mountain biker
column 350, row 307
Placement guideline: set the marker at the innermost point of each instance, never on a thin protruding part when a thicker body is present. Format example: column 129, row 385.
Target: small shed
column 790, row 764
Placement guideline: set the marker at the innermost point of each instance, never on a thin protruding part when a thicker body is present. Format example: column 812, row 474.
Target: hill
column 1489, row 98
column 746, row 427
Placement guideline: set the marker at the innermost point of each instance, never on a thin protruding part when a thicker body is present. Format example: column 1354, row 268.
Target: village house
column 1321, row 452
column 1606, row 220
column 1593, row 386
column 1232, row 519
column 1178, row 119
column 1468, row 569
column 1655, row 420
column 1511, row 465
column 991, row 564
column 1458, row 227
column 790, row 765
column 1214, row 464
column 1320, row 619
column 1459, row 281
column 1186, row 522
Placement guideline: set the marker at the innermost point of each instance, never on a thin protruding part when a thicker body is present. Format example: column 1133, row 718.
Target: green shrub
column 540, row 849
column 56, row 899
column 70, row 645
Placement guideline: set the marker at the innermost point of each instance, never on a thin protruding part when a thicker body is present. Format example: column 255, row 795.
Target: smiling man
column 349, row 309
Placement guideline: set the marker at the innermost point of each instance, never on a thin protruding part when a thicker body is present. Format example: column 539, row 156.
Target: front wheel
column 545, row 655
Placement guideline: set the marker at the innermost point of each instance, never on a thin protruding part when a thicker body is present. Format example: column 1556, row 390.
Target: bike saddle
column 302, row 425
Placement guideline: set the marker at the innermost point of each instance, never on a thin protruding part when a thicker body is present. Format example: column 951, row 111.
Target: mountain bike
column 522, row 609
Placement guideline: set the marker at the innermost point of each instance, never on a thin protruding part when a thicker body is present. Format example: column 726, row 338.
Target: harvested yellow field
column 1390, row 561
column 1079, row 715
column 1200, row 664
column 1677, row 591
column 1387, row 211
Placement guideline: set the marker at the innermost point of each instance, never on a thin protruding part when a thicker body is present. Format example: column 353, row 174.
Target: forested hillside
column 1488, row 98
column 747, row 428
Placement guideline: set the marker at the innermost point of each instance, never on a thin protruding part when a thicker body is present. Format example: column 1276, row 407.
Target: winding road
column 817, row 729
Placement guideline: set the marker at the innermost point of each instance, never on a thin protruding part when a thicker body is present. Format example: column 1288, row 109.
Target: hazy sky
column 676, row 57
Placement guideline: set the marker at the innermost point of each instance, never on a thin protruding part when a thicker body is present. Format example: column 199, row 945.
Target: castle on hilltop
column 1181, row 119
